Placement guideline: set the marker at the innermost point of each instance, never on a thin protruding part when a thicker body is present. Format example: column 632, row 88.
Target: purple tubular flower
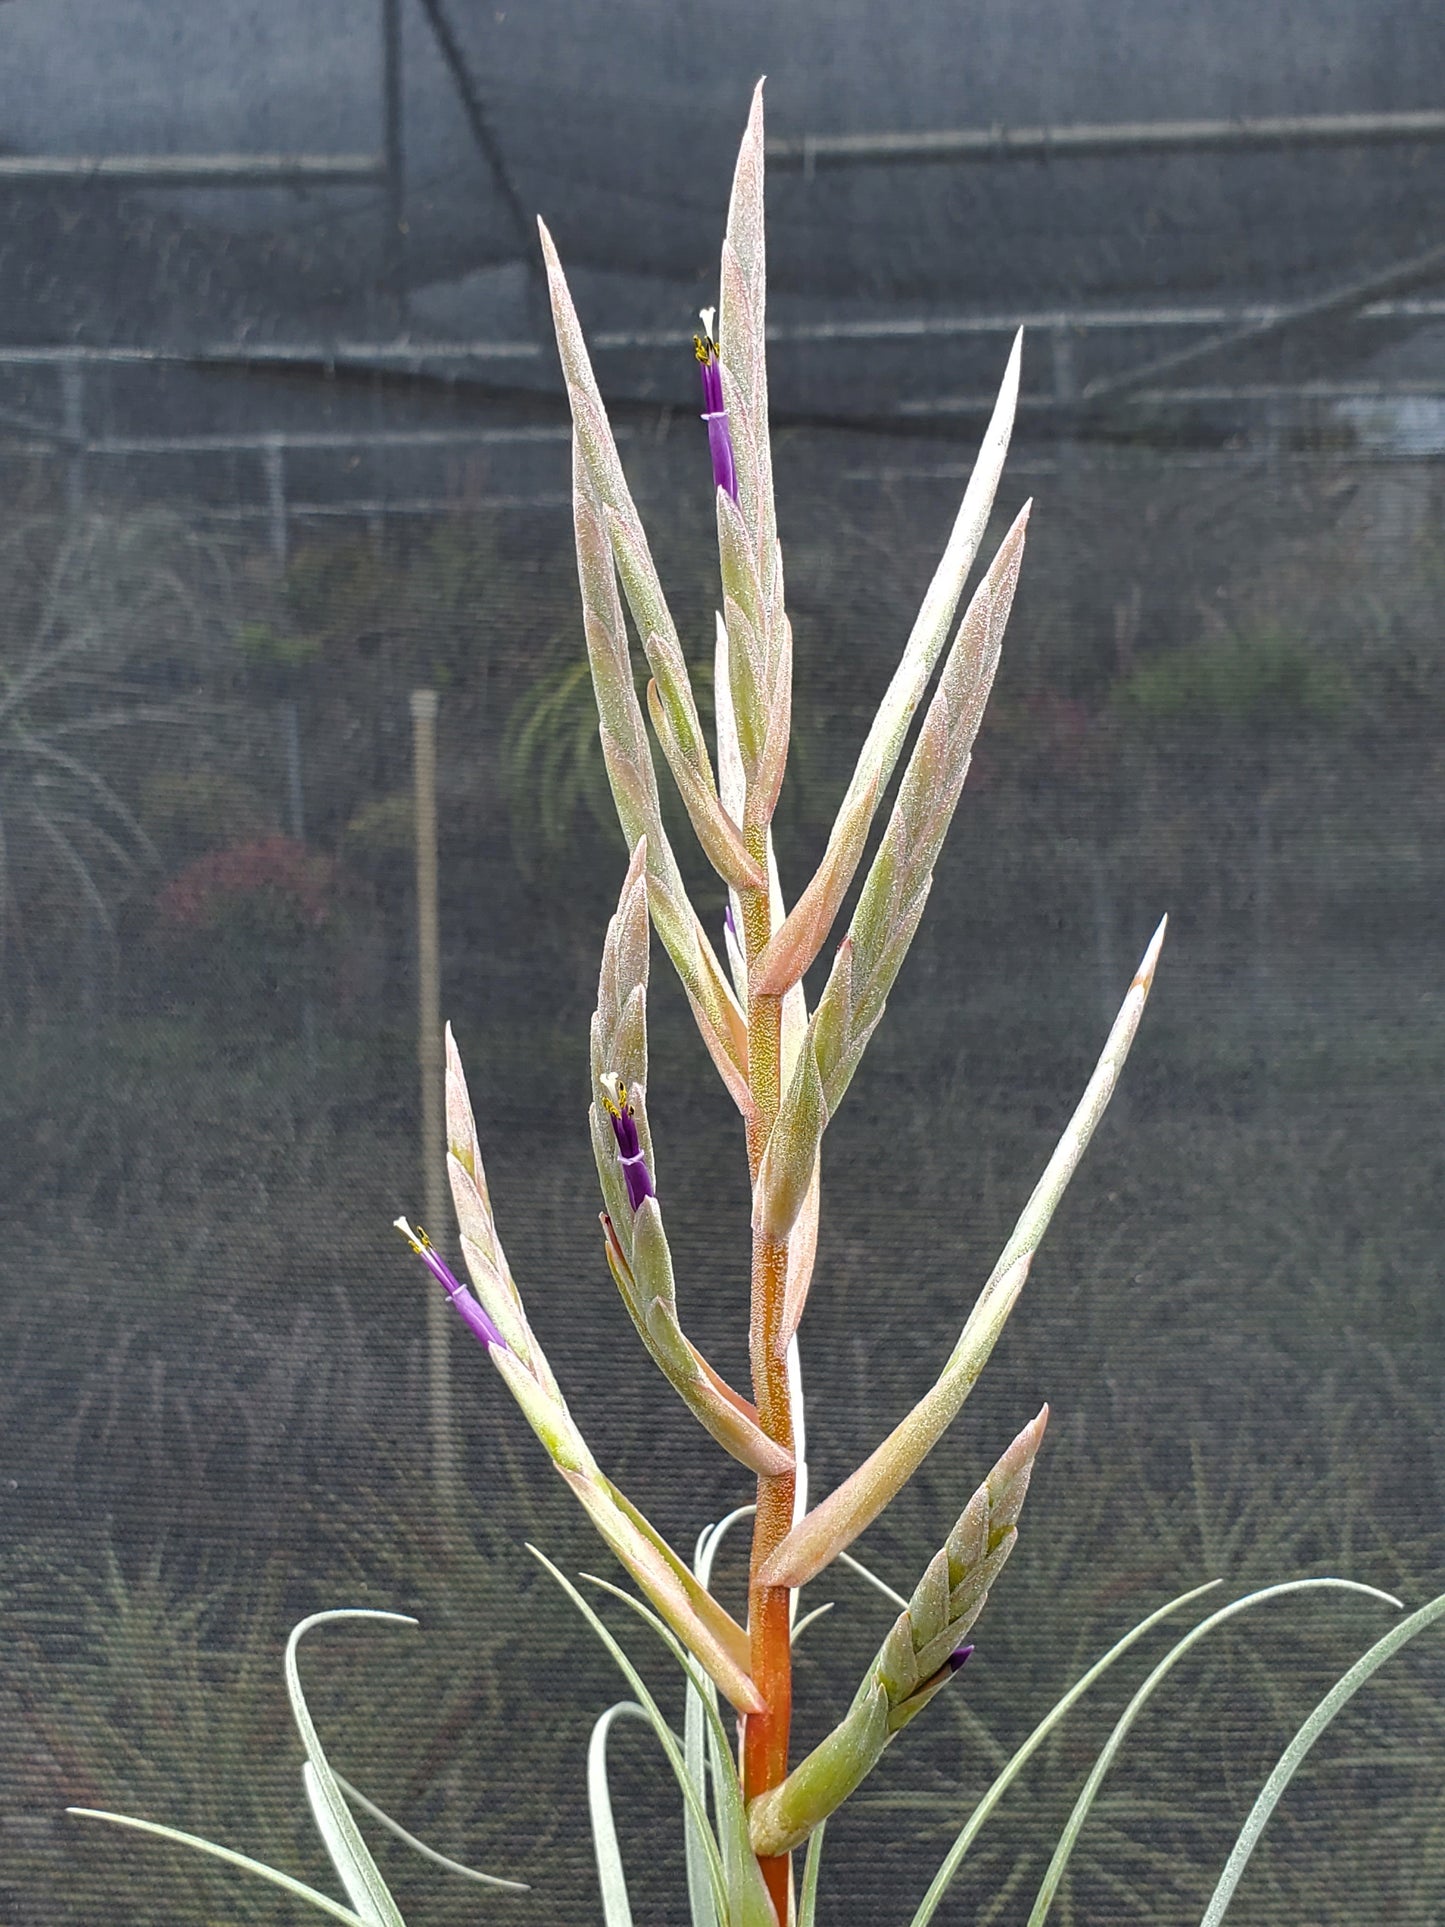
column 714, row 409
column 635, row 1173
column 958, row 1657
column 467, row 1308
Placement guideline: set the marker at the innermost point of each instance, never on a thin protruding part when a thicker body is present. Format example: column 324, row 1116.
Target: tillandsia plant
column 787, row 1070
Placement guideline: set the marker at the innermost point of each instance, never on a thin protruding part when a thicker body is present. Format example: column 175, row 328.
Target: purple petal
column 629, row 1145
column 714, row 413
column 624, row 1129
column 471, row 1312
column 958, row 1657
column 720, row 447
column 638, row 1180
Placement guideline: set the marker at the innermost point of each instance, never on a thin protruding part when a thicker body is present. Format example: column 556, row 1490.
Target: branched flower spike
column 787, row 1069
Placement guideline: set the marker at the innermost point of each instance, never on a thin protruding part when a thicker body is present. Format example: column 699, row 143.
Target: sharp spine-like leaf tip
column 1144, row 976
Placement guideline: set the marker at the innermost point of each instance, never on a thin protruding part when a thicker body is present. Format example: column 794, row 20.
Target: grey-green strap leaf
column 616, row 1907
column 748, row 1904
column 349, row 1853
column 667, row 1739
column 341, row 1851
column 323, row 1903
column 1290, row 1760
column 953, row 1859
column 808, row 1899
column 443, row 1860
column 700, row 1712
column 1074, row 1824
column 800, row 1626
column 701, row 1905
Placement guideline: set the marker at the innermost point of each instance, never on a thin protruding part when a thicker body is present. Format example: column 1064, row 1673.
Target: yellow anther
column 705, row 345
column 415, row 1237
column 614, row 1095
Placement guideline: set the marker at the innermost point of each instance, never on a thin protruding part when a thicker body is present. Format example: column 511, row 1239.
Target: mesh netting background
column 274, row 458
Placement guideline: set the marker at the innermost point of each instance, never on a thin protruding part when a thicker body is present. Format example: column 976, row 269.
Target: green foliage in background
column 1264, row 681
column 110, row 621
column 552, row 764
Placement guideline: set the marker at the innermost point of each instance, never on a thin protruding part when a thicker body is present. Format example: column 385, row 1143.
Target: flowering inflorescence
column 788, row 1068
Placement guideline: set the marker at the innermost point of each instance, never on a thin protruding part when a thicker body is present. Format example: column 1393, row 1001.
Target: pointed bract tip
column 1010, row 550
column 551, row 260
column 1041, row 1422
column 452, row 1051
column 1144, row 975
column 1013, row 370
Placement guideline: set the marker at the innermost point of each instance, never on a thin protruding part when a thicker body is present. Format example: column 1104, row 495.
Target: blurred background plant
column 112, row 624
column 128, row 1667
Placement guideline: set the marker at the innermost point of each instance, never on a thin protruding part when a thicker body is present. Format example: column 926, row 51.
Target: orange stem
column 765, row 1734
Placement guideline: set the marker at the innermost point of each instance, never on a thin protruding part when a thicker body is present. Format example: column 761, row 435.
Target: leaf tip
column 1012, row 374
column 1144, row 975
